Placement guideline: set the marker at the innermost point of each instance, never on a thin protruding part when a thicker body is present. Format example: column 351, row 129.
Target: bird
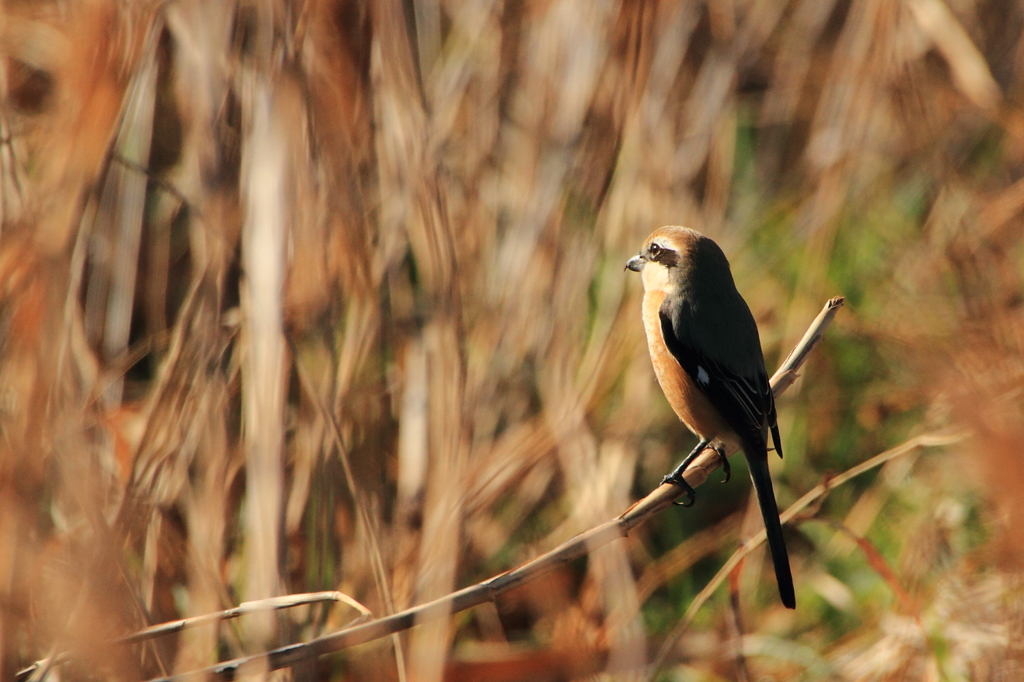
column 707, row 357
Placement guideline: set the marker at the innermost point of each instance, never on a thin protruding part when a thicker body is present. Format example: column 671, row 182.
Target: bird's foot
column 676, row 478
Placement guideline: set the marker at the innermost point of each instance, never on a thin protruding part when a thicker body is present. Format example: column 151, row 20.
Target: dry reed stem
column 264, row 179
column 488, row 591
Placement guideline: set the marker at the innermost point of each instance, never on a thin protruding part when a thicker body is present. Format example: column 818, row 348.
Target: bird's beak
column 636, row 264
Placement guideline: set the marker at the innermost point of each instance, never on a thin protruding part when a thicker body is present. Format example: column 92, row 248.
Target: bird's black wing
column 727, row 366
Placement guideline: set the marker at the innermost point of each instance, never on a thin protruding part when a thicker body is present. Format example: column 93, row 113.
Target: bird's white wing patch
column 702, row 376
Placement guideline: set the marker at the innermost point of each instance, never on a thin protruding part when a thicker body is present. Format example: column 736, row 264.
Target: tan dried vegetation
column 328, row 295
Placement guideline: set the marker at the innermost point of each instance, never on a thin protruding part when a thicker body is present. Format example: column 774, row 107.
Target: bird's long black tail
column 761, row 478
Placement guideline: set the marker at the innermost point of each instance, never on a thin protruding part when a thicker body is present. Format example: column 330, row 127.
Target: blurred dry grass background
column 328, row 295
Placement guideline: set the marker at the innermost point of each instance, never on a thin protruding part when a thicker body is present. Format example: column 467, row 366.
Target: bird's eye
column 654, row 250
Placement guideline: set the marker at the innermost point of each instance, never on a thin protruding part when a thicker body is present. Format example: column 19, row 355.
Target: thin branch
column 928, row 440
column 271, row 604
column 687, row 553
column 489, row 590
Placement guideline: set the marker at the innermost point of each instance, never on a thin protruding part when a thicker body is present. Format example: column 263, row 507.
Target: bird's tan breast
column 686, row 399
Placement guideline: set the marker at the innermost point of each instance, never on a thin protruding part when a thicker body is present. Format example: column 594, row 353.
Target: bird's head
column 664, row 257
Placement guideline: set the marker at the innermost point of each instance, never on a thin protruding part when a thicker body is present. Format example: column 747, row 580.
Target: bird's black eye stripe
column 662, row 254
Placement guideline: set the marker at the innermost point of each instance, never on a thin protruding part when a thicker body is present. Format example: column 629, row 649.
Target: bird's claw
column 725, row 462
column 678, row 480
